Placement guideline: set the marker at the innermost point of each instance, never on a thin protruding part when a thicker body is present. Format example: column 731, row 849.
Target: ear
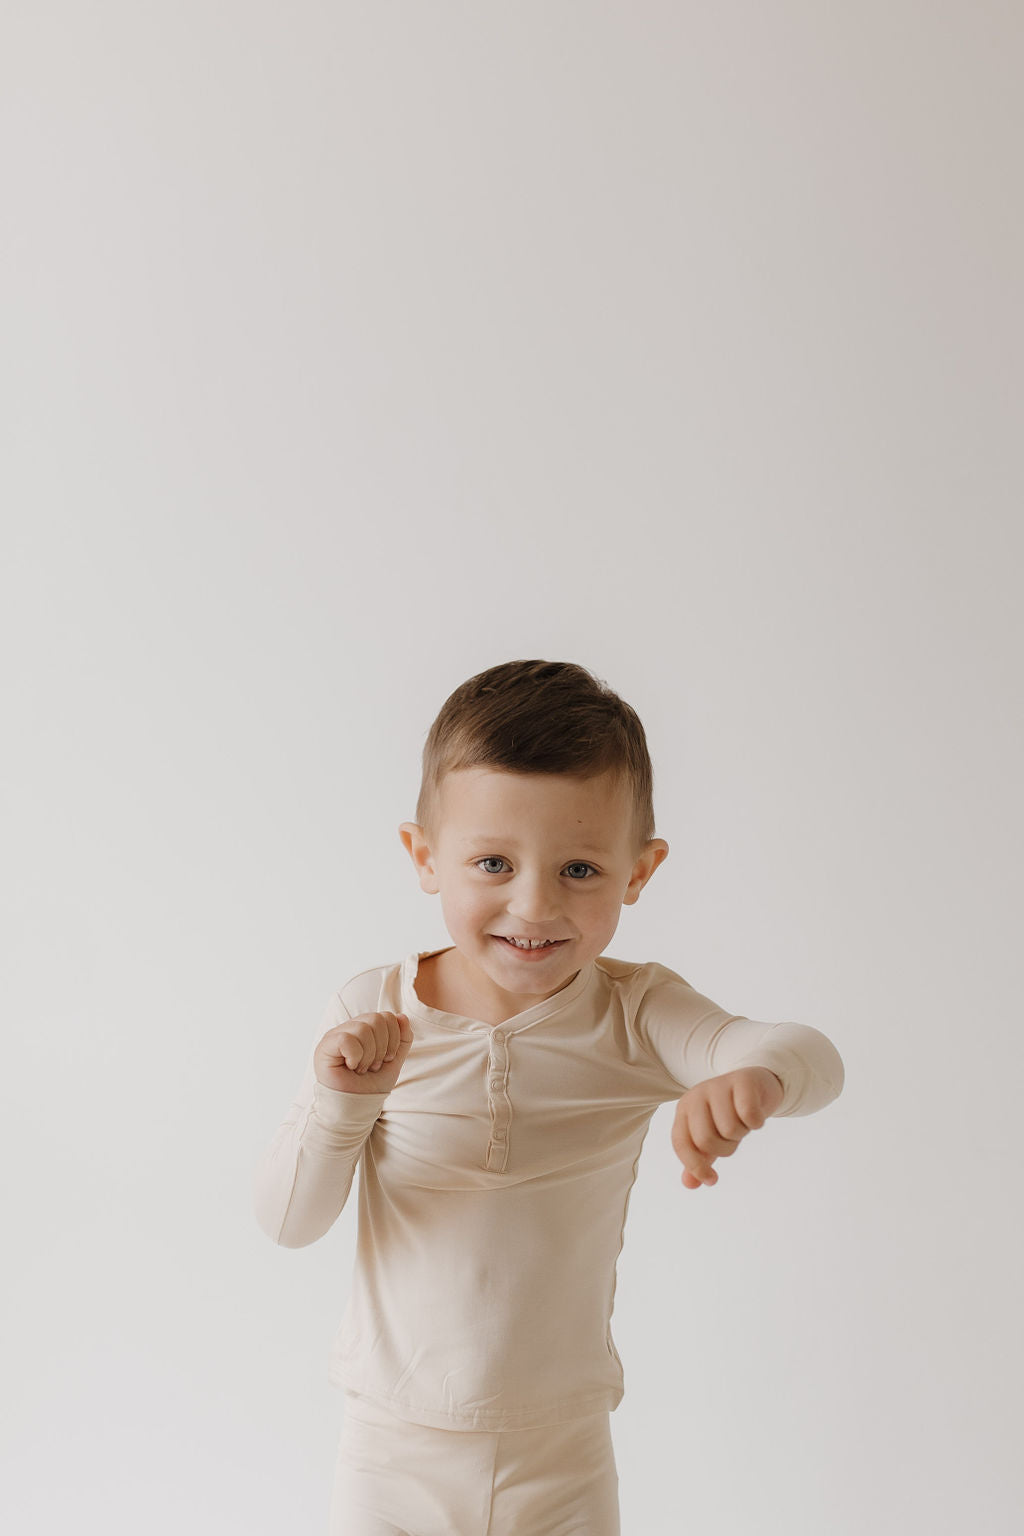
column 415, row 843
column 655, row 852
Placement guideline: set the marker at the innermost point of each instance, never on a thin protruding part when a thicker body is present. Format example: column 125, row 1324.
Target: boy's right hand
column 365, row 1054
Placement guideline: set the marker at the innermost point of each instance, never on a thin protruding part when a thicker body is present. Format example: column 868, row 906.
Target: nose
column 534, row 900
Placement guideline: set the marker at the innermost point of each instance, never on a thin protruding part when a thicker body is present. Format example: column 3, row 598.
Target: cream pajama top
column 495, row 1179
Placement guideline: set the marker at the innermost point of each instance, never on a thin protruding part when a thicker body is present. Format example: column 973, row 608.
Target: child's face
column 539, row 856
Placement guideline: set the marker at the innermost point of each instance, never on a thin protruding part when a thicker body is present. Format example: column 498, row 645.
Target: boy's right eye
column 492, row 858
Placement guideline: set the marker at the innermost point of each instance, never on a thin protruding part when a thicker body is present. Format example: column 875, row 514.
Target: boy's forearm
column 303, row 1182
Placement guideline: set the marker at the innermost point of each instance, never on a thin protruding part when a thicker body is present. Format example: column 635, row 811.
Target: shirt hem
column 493, row 1419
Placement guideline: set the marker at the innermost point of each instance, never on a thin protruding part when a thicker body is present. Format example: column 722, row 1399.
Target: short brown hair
column 539, row 717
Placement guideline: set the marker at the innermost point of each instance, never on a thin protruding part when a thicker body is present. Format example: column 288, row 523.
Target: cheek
column 467, row 904
column 603, row 916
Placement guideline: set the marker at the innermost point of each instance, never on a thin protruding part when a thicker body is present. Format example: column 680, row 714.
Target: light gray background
column 351, row 349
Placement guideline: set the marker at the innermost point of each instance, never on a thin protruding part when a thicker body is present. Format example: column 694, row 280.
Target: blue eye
column 494, row 858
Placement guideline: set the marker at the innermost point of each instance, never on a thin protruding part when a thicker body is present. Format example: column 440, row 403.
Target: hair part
column 539, row 717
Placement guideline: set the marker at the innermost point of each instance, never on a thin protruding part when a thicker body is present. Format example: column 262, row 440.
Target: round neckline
column 413, row 1003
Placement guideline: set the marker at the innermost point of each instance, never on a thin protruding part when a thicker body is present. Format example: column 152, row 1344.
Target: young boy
column 496, row 1094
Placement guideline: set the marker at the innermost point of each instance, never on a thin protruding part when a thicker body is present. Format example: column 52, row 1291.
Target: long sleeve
column 695, row 1039
column 303, row 1181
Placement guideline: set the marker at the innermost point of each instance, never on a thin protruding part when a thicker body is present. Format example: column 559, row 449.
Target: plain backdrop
column 350, row 349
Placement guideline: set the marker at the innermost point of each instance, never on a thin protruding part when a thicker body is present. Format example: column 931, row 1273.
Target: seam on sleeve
column 295, row 1179
column 302, row 1129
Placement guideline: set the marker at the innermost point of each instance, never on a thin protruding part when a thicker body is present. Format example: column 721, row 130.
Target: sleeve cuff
column 337, row 1110
column 807, row 1064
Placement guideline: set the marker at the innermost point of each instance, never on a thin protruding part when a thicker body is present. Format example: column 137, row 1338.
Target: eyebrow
column 486, row 840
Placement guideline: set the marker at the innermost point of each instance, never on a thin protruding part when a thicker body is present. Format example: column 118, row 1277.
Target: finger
column 685, row 1132
column 387, row 1036
column 349, row 1046
column 707, row 1138
column 376, row 1031
column 725, row 1118
column 395, row 1035
column 686, row 1135
column 749, row 1109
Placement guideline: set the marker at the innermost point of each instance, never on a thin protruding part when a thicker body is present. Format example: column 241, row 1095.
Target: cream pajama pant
column 393, row 1478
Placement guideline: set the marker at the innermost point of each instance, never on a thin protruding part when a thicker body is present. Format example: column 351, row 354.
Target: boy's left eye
column 495, row 858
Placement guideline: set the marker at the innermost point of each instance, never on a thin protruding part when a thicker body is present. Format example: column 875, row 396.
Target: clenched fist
column 365, row 1054
column 712, row 1118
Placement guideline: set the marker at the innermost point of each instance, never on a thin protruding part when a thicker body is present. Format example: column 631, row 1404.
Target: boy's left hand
column 712, row 1118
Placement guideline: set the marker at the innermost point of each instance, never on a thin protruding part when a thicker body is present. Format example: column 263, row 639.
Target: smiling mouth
column 530, row 949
